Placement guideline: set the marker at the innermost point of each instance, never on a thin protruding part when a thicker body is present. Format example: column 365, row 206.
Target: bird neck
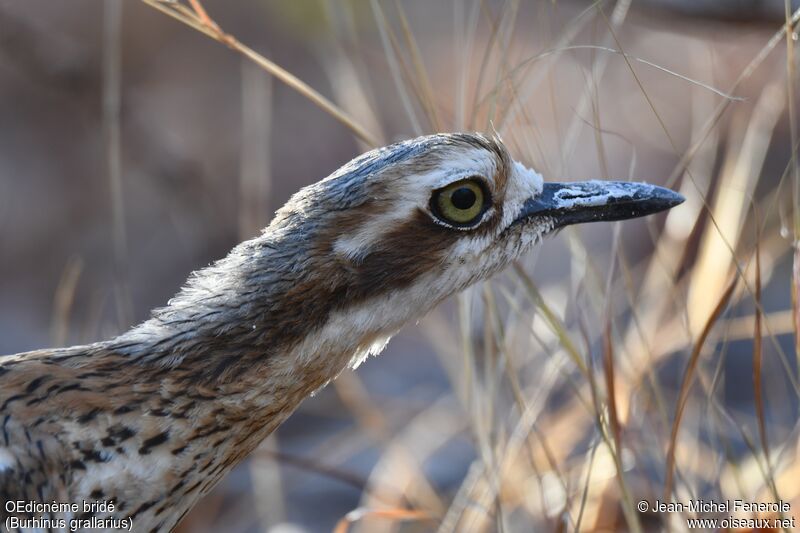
column 260, row 330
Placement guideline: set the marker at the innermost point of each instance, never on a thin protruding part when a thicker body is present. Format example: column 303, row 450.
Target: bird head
column 443, row 211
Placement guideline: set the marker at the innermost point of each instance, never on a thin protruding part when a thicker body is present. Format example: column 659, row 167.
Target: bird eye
column 460, row 203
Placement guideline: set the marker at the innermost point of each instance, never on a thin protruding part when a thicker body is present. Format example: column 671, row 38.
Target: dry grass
column 607, row 386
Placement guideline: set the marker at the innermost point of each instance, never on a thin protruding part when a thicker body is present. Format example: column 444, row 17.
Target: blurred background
column 135, row 149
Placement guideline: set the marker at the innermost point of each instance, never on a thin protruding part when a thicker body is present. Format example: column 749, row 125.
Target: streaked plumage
column 155, row 417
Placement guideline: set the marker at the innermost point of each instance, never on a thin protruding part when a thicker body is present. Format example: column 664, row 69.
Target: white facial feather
column 523, row 184
column 463, row 164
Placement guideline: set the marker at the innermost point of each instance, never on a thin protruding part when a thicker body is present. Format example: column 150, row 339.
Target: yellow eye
column 460, row 203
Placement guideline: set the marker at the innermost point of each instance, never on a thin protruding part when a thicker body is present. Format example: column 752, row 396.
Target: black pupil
column 463, row 198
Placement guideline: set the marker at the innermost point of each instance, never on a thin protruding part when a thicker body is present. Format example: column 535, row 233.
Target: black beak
column 593, row 201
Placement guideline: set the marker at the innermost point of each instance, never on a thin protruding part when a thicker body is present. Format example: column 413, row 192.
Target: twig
column 198, row 19
column 688, row 376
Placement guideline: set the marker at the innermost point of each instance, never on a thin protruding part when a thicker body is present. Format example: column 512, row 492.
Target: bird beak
column 593, row 201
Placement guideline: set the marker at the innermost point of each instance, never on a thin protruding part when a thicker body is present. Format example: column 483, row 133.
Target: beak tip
column 669, row 198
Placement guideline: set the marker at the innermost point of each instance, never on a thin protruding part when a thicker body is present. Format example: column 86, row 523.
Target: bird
column 133, row 431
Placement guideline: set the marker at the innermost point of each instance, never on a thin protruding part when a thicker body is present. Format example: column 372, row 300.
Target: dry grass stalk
column 198, row 19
